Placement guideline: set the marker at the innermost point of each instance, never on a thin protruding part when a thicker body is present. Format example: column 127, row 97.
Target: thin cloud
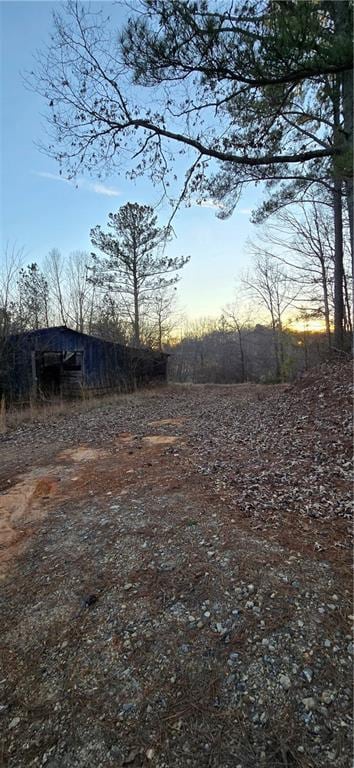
column 89, row 186
column 208, row 203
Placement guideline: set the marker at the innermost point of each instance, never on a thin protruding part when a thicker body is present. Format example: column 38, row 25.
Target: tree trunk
column 160, row 334
column 242, row 355
column 348, row 324
column 276, row 351
column 338, row 265
column 326, row 303
column 136, row 312
column 338, row 224
column 343, row 15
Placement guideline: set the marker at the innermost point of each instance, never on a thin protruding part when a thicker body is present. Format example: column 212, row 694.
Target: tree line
column 123, row 291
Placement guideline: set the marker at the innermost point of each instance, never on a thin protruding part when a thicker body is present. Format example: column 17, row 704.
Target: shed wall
column 105, row 365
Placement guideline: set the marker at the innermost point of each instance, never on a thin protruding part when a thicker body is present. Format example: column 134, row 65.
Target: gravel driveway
column 175, row 580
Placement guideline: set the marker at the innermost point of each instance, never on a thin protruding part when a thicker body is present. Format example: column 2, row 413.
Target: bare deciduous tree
column 271, row 286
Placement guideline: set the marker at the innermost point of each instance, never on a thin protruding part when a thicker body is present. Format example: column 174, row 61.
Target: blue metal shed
column 61, row 361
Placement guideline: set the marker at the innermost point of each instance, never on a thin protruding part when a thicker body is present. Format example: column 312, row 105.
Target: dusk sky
column 40, row 210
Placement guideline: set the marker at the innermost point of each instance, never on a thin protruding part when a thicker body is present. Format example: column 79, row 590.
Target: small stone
column 128, row 586
column 350, row 648
column 309, row 703
column 327, row 697
column 250, row 588
column 207, row 614
column 200, row 625
column 308, row 674
column 300, row 624
column 14, row 722
column 285, row 681
column 327, row 643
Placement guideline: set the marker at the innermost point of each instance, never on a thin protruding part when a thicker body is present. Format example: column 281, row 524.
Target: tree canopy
column 249, row 91
column 133, row 263
column 234, row 82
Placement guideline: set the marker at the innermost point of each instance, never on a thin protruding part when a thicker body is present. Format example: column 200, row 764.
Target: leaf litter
column 185, row 601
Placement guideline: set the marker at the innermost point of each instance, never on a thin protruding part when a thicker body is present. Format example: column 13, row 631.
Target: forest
column 249, row 95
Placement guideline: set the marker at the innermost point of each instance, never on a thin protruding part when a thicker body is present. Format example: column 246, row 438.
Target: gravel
column 182, row 603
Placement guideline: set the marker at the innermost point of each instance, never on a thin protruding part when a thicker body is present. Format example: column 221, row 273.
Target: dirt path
column 167, row 598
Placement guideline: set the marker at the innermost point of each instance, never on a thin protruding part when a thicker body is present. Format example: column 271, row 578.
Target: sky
column 40, row 211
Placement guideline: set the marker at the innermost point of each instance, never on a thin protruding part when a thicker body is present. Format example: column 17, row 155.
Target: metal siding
column 106, row 364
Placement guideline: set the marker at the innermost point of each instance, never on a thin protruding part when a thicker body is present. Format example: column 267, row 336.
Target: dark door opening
column 59, row 373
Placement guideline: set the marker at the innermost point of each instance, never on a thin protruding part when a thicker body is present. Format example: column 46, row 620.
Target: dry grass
column 2, row 416
column 44, row 411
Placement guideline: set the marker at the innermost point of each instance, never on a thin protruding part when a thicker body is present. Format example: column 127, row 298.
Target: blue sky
column 40, row 211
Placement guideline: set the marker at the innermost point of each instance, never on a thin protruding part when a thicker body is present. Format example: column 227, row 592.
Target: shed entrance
column 59, row 373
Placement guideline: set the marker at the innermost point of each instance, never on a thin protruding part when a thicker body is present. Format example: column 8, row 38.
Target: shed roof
column 65, row 329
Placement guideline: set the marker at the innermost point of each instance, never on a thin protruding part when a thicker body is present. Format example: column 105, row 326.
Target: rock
column 150, row 753
column 133, row 754
column 89, row 600
column 327, row 697
column 14, row 722
column 309, row 703
column 127, row 586
column 350, row 648
column 307, row 674
column 285, row 682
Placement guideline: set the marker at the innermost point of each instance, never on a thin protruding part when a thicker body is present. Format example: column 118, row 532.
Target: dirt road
column 175, row 583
